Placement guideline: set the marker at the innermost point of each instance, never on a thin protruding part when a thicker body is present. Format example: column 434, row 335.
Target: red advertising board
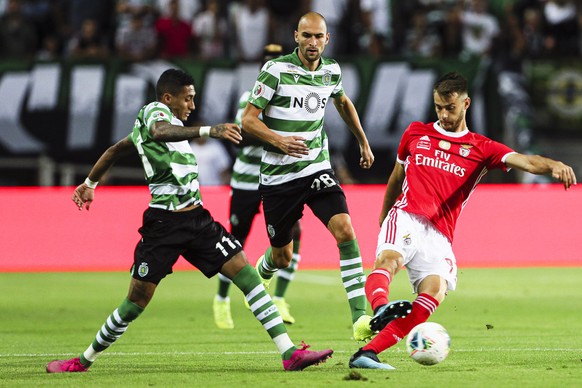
column 502, row 225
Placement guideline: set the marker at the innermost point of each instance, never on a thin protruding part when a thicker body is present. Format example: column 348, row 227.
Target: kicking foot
column 388, row 313
column 60, row 366
column 222, row 316
column 302, row 358
column 367, row 359
column 362, row 331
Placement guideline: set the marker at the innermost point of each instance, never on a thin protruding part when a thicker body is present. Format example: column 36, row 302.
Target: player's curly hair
column 450, row 84
column 172, row 81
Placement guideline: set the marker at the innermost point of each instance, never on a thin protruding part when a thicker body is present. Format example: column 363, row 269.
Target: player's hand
column 564, row 174
column 83, row 195
column 367, row 158
column 293, row 146
column 228, row 131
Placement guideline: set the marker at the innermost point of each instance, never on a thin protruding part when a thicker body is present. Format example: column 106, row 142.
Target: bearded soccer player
column 291, row 93
column 245, row 201
column 437, row 168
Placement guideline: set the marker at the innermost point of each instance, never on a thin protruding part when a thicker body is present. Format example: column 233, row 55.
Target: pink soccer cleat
column 60, row 366
column 302, row 358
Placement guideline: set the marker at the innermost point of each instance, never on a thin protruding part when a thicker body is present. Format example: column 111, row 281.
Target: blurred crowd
column 138, row 30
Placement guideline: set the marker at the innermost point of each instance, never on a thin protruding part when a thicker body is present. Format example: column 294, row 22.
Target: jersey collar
column 444, row 132
column 297, row 61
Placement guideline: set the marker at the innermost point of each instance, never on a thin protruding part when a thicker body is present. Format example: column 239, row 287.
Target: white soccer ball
column 428, row 343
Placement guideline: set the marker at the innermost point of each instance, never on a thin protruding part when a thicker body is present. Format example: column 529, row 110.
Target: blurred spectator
column 480, row 29
column 174, row 34
column 187, row 8
column 126, row 9
column 284, row 17
column 452, row 32
column 17, row 34
column 42, row 14
column 72, row 14
column 533, row 33
column 334, row 12
column 88, row 42
column 50, row 49
column 137, row 41
column 209, row 28
column 377, row 23
column 213, row 161
column 251, row 23
column 421, row 39
column 562, row 28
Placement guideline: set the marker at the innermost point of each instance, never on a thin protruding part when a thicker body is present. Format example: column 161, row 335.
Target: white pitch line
column 273, row 352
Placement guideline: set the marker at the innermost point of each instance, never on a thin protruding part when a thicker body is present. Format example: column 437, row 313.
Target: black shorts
column 194, row 235
column 283, row 204
column 244, row 206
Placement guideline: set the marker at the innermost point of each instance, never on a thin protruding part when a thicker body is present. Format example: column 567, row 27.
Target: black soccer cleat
column 390, row 312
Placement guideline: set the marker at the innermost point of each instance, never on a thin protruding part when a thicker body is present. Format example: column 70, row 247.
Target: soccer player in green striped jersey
column 245, row 201
column 291, row 93
column 176, row 223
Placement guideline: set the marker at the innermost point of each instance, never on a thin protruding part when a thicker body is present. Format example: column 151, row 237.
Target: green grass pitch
column 508, row 328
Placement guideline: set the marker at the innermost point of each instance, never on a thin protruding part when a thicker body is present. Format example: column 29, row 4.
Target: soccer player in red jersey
column 437, row 168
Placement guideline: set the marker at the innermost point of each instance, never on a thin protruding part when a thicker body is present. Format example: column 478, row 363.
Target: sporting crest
column 326, row 78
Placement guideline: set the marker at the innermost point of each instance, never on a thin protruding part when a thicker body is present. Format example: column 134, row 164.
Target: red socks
column 377, row 287
column 422, row 308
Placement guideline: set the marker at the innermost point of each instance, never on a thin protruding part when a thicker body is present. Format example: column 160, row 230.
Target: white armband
column 90, row 183
column 204, row 131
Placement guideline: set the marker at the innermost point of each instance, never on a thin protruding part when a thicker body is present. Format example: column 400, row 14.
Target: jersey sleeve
column 265, row 86
column 403, row 148
column 496, row 155
column 338, row 91
column 157, row 112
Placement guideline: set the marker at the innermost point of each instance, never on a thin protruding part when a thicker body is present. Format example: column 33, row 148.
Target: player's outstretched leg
column 422, row 307
column 221, row 304
column 367, row 359
column 265, row 311
column 111, row 330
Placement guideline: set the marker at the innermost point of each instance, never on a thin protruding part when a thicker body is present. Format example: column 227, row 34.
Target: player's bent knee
column 392, row 261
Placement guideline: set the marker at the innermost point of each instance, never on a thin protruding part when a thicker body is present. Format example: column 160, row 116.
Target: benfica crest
column 465, row 150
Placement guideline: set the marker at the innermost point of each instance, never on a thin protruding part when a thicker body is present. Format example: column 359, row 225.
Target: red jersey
column 442, row 170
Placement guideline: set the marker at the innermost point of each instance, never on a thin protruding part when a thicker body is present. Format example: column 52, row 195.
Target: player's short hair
column 172, row 81
column 450, row 84
column 311, row 14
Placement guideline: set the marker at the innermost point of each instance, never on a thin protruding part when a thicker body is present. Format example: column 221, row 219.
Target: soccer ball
column 428, row 343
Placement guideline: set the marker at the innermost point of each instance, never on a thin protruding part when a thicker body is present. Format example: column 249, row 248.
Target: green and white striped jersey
column 170, row 168
column 246, row 168
column 293, row 101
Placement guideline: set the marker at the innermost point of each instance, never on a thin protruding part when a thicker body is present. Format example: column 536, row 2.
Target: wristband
column 204, row 131
column 90, row 183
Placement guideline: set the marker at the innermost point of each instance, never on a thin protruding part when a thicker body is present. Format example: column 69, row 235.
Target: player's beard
column 456, row 126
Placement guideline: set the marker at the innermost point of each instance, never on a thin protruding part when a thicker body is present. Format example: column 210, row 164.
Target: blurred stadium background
column 68, row 91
